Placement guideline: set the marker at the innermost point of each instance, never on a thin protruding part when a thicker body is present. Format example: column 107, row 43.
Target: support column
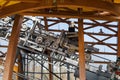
column 11, row 53
column 82, row 73
column 20, row 66
column 46, row 23
column 42, row 64
column 50, row 67
column 68, row 72
column 118, row 42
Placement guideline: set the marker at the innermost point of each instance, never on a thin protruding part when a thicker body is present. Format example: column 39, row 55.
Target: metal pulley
column 47, row 43
column 88, row 57
column 39, row 39
column 24, row 27
column 100, row 67
column 55, row 46
column 70, row 51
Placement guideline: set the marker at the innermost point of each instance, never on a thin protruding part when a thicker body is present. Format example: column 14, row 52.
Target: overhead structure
column 100, row 16
column 107, row 9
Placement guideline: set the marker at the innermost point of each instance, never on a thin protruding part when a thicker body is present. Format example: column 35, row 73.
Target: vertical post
column 68, row 72
column 27, row 66
column 42, row 64
column 20, row 66
column 34, row 66
column 118, row 35
column 60, row 71
column 24, row 65
column 11, row 53
column 82, row 73
column 50, row 67
column 46, row 23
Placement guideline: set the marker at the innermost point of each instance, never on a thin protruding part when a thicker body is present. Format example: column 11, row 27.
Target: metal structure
column 97, row 20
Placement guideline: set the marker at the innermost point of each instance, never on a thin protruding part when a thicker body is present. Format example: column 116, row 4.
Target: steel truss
column 51, row 52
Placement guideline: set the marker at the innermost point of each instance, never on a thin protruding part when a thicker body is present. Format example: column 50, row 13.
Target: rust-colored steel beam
column 70, row 15
column 21, row 7
column 85, row 23
column 4, row 4
column 54, row 23
column 58, row 21
column 110, row 29
column 103, row 44
column 26, row 6
column 118, row 45
column 32, row 1
column 101, row 62
column 46, row 23
column 11, row 53
column 105, row 53
column 82, row 74
column 102, row 41
column 100, row 34
column 3, row 46
column 106, row 25
column 98, row 43
column 91, row 26
column 55, row 30
column 90, row 33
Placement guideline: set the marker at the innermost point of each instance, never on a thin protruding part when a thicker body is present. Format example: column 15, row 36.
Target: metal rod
column 35, row 52
column 46, row 68
column 41, row 67
column 50, row 67
column 68, row 72
column 27, row 64
column 48, row 73
column 101, row 57
column 34, row 66
column 24, row 64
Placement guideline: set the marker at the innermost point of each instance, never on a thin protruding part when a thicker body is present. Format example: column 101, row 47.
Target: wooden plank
column 11, row 53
